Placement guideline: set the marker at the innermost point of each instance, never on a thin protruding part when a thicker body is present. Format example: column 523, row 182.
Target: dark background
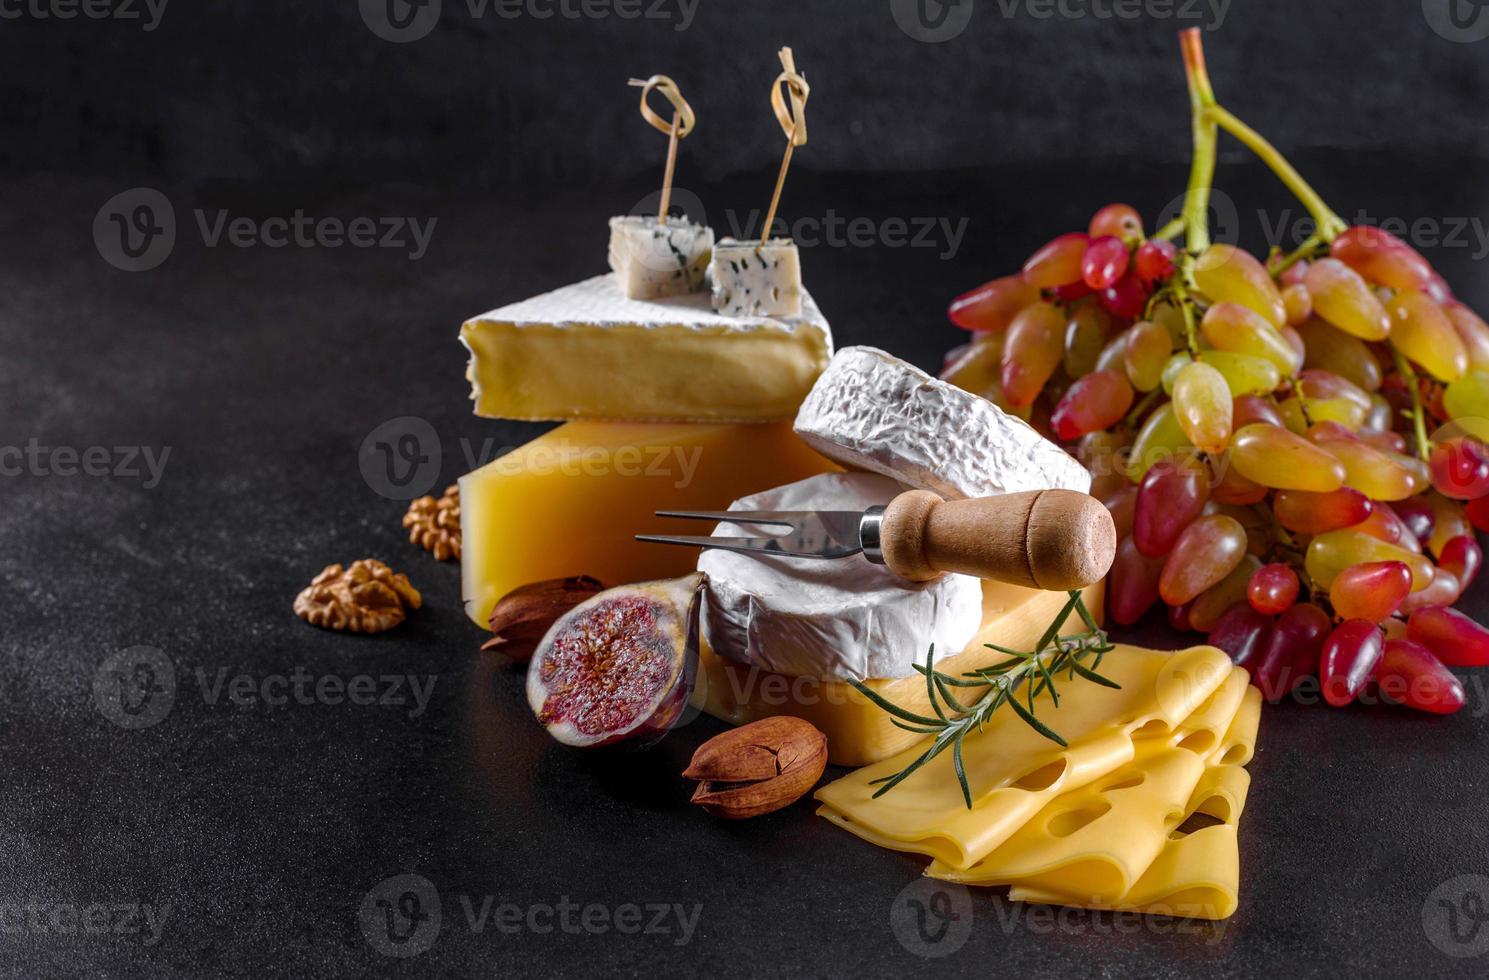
column 264, row 369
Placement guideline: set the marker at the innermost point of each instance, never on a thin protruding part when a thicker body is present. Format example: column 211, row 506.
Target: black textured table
column 231, row 835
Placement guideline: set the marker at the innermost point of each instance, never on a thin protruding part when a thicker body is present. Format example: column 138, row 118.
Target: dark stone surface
column 263, row 827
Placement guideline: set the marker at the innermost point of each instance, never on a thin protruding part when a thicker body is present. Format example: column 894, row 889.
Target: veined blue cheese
column 652, row 258
column 756, row 278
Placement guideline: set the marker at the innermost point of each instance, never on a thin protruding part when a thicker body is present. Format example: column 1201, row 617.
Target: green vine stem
column 1418, row 412
column 1208, row 114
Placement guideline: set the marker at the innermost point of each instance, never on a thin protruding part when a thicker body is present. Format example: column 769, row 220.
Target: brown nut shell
column 758, row 768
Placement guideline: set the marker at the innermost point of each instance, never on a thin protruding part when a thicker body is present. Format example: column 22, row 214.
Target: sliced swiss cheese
column 1014, row 771
column 871, row 410
column 1097, row 841
column 832, row 620
column 587, row 351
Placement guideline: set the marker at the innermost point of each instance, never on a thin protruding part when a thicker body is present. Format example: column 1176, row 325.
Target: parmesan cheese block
column 834, row 620
column 871, row 410
column 756, row 278
column 652, row 258
column 1014, row 771
column 587, row 351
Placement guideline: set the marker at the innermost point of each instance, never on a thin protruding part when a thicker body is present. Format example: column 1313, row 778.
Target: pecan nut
column 522, row 617
column 368, row 597
column 758, row 768
column 434, row 525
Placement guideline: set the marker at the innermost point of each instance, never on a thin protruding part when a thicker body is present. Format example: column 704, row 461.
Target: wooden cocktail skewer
column 793, row 124
column 680, row 126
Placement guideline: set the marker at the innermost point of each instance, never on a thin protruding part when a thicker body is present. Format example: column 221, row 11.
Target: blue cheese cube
column 652, row 258
column 756, row 278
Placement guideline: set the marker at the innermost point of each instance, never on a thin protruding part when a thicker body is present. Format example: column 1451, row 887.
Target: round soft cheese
column 830, row 619
column 873, row 411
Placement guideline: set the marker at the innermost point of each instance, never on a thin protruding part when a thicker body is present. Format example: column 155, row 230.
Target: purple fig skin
column 574, row 708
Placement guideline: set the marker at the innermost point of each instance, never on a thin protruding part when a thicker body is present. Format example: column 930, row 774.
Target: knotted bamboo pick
column 680, row 126
column 793, row 124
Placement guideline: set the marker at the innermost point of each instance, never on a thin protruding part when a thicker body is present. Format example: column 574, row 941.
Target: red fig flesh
column 618, row 665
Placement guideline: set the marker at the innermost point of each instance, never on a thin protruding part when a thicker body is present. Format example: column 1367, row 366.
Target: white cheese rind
column 652, row 258
column 873, row 411
column 830, row 619
column 756, row 278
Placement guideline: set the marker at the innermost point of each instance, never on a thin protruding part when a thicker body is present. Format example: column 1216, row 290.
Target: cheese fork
column 1040, row 539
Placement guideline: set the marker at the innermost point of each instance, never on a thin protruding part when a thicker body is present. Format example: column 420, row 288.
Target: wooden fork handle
column 1040, row 539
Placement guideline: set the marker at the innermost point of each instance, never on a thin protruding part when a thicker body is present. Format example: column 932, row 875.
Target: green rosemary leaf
column 1080, row 607
column 961, row 771
column 948, row 697
column 917, row 729
column 930, row 683
column 1036, row 724
column 1048, row 682
column 1092, row 676
column 1054, row 628
column 891, row 707
column 936, row 749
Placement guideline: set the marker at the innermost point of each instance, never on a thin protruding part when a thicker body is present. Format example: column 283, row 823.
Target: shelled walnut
column 434, row 524
column 368, row 597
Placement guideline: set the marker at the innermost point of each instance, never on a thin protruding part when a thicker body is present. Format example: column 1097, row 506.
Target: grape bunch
column 1292, row 448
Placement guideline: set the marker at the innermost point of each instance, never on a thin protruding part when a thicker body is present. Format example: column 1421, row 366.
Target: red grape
column 1154, row 261
column 1454, row 638
column 1171, row 496
column 1316, row 513
column 1273, row 588
column 1105, row 261
column 1370, row 590
column 1242, row 633
column 1410, row 674
column 1132, row 587
column 1058, row 262
column 1460, row 468
column 1124, row 298
column 1292, row 651
column 1121, row 220
column 1350, row 655
column 993, row 305
column 1463, row 557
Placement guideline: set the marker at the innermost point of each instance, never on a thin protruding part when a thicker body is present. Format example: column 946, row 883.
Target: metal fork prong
column 776, row 517
column 749, row 546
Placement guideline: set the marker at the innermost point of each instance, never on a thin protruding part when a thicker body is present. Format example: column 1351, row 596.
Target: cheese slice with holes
column 1097, row 841
column 1154, row 846
column 588, row 351
column 1013, row 771
column 870, row 410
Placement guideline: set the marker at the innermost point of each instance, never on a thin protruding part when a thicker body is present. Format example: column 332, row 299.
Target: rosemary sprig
column 1036, row 671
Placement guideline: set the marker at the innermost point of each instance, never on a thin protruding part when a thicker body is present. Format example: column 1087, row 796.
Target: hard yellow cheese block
column 859, row 733
column 571, row 501
column 587, row 351
column 1013, row 770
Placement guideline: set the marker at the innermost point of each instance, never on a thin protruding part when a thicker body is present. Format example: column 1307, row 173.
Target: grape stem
column 1417, row 413
column 1208, row 115
column 1310, row 247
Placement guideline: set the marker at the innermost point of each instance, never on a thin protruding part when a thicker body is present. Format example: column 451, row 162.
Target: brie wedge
column 652, row 258
column 586, row 351
column 830, row 619
column 873, row 411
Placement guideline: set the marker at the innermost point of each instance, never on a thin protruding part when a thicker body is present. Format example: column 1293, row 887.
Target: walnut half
column 368, row 597
column 434, row 525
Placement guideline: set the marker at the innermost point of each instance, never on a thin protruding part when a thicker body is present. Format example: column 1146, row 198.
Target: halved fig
column 619, row 665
